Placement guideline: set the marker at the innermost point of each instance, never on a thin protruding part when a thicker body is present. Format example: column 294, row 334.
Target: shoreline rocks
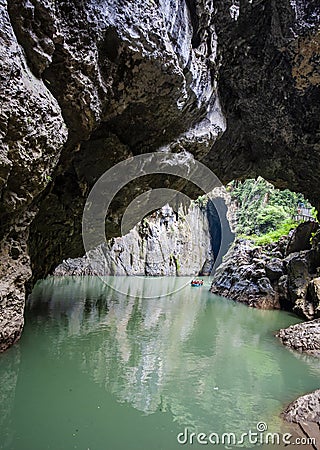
column 248, row 275
column 303, row 337
column 304, row 412
column 272, row 276
column 304, row 409
column 304, row 416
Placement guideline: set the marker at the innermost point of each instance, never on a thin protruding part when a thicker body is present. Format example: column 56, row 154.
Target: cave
column 245, row 105
column 87, row 85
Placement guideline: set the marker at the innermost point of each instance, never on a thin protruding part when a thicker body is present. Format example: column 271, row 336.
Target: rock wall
column 268, row 84
column 165, row 243
column 274, row 275
column 87, row 84
column 180, row 241
column 32, row 133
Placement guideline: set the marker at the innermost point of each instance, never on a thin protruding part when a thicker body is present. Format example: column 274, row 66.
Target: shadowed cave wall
column 86, row 85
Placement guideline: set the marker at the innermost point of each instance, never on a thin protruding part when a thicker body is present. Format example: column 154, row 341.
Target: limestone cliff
column 87, row 84
column 189, row 239
column 164, row 243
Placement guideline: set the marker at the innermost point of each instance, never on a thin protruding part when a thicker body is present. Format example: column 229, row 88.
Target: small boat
column 196, row 283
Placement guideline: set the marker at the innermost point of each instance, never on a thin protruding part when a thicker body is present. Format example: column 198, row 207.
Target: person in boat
column 197, row 282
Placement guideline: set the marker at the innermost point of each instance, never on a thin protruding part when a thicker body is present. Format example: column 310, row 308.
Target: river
column 131, row 363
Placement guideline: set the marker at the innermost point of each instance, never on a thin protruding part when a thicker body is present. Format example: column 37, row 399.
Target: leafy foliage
column 264, row 212
column 272, row 236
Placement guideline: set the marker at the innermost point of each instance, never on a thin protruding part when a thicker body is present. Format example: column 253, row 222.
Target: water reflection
column 9, row 363
column 200, row 356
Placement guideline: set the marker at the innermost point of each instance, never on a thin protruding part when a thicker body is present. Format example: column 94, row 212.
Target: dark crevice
column 218, row 224
column 192, row 6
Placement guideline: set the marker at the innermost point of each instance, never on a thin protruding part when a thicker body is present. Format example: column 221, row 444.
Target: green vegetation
column 201, row 201
column 264, row 212
column 177, row 264
column 273, row 236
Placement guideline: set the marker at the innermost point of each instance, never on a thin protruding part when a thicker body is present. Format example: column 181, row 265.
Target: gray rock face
column 268, row 82
column 249, row 275
column 87, row 84
column 305, row 411
column 32, row 133
column 264, row 277
column 304, row 337
column 165, row 243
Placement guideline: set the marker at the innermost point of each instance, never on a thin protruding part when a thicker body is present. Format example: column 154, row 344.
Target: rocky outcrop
column 305, row 411
column 304, row 337
column 85, row 85
column 268, row 277
column 32, row 133
column 304, row 415
column 250, row 275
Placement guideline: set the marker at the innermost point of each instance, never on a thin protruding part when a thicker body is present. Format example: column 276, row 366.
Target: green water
column 101, row 369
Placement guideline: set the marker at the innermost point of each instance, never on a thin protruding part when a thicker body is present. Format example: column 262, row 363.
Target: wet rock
column 305, row 411
column 290, row 278
column 298, row 280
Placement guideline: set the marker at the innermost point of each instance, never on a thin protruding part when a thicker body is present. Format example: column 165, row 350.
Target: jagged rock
column 274, row 269
column 301, row 237
column 164, row 243
column 304, row 337
column 32, row 133
column 298, row 280
column 305, row 411
column 243, row 277
column 314, row 292
column 88, row 84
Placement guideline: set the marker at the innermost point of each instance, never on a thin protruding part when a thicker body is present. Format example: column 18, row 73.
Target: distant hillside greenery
column 264, row 212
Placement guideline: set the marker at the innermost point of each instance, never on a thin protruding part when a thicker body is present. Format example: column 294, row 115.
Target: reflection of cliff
column 166, row 242
column 9, row 370
column 200, row 359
